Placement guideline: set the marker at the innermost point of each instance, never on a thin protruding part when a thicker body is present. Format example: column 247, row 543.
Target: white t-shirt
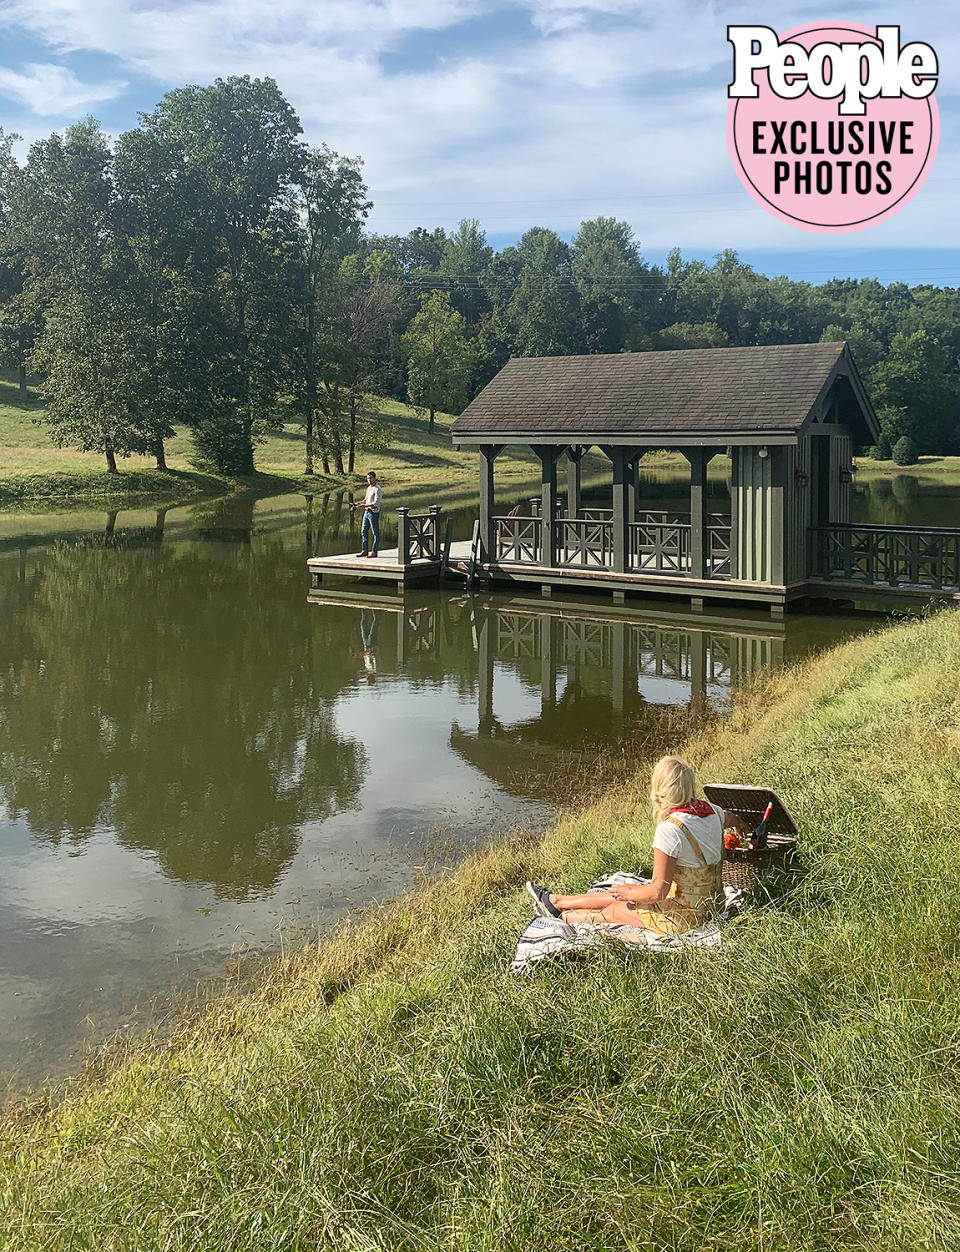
column 708, row 832
column 372, row 499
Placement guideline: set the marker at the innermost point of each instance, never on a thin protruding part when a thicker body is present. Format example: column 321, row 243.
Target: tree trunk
column 110, row 455
column 160, row 452
column 308, row 465
column 22, row 379
column 160, row 522
column 246, row 452
column 111, row 522
column 338, row 453
column 311, row 380
column 431, row 421
column 352, row 449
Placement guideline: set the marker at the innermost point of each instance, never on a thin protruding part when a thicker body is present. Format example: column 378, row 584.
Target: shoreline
column 815, row 1036
column 132, row 487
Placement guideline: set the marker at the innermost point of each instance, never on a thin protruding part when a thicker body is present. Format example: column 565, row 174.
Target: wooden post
column 618, row 677
column 734, row 512
column 488, row 539
column 401, row 640
column 435, row 510
column 574, row 479
column 548, row 666
column 698, row 671
column 403, row 536
column 778, row 535
column 485, row 673
column 698, row 511
column 548, row 503
column 633, row 486
column 620, row 509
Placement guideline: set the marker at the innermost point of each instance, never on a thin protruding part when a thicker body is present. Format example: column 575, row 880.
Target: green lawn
column 32, row 467
column 797, row 1090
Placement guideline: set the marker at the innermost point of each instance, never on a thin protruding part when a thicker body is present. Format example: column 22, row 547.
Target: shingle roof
column 709, row 391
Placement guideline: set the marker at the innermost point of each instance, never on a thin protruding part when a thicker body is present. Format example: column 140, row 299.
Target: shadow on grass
column 11, row 397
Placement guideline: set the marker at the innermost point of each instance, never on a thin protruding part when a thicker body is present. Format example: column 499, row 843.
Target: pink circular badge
column 820, row 168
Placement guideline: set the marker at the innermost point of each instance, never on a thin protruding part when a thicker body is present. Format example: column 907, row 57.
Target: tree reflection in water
column 162, row 692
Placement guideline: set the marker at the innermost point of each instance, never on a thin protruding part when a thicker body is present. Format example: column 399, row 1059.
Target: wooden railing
column 418, row 535
column 585, row 542
column 718, row 553
column 658, row 544
column 517, row 538
column 659, row 547
column 924, row 558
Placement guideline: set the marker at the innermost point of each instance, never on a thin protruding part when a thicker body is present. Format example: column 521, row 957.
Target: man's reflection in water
column 368, row 634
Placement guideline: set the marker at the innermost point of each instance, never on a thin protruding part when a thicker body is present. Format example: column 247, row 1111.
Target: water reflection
column 161, row 693
column 192, row 752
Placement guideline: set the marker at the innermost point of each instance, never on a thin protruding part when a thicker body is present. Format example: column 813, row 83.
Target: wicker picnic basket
column 743, row 867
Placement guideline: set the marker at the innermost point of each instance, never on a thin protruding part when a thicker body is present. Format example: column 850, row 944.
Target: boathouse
column 789, row 416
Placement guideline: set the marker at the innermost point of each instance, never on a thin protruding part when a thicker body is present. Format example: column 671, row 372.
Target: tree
column 543, row 252
column 544, row 316
column 606, row 262
column 439, row 358
column 19, row 319
column 866, row 348
column 905, row 451
column 916, row 378
column 881, row 449
column 237, row 162
column 466, row 256
column 332, row 204
column 689, row 335
column 66, row 220
column 353, row 324
column 166, row 358
column 83, row 352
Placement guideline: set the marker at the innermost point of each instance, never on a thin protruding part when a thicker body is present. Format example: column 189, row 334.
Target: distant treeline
column 209, row 268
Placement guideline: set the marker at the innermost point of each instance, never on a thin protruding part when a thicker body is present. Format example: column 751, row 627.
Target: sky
column 527, row 113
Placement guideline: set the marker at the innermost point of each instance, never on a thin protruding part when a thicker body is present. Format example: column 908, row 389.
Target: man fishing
column 370, row 527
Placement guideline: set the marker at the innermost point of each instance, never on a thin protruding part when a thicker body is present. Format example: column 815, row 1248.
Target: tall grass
column 397, row 1088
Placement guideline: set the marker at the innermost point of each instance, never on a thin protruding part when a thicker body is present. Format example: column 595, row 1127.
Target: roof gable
column 708, row 392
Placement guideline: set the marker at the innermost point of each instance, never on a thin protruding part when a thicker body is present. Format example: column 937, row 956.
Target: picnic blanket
column 549, row 936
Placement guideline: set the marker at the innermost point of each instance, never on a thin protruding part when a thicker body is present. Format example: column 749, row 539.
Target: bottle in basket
column 759, row 837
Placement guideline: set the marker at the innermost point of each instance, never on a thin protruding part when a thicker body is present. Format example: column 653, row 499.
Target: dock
column 787, row 418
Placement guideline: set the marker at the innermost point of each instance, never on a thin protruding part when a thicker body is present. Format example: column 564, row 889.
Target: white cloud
column 614, row 106
column 55, row 91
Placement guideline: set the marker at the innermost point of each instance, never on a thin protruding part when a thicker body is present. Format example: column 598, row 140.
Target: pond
column 196, row 758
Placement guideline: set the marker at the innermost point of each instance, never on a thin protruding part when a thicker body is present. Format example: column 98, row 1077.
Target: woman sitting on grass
column 686, row 888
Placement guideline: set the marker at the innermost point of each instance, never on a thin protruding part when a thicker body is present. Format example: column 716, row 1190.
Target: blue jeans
column 371, row 526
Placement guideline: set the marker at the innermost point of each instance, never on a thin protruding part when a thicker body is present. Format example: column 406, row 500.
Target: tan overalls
column 695, row 896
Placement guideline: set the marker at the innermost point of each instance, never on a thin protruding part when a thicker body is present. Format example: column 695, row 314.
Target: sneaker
column 360, row 554
column 541, row 901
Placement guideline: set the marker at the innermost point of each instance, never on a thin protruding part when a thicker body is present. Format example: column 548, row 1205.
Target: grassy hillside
column 399, row 1089
column 32, row 467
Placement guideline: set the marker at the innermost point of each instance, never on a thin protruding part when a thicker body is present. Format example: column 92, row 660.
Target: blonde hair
column 672, row 783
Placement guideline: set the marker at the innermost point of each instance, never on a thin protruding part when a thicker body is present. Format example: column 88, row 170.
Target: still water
column 196, row 758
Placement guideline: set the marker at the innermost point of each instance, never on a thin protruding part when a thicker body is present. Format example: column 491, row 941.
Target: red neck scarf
column 696, row 808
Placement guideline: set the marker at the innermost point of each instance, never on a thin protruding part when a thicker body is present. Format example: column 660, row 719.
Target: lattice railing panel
column 518, row 538
column 586, row 543
column 659, row 547
column 923, row 558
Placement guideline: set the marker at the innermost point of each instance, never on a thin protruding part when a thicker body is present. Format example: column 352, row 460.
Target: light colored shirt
column 708, row 832
column 373, row 497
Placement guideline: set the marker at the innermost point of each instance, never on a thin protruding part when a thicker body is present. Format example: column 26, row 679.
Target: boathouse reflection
column 589, row 671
